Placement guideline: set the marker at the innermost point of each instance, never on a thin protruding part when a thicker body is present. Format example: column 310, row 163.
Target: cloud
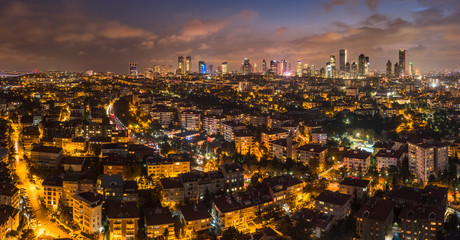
column 197, row 28
column 371, row 4
column 248, row 14
column 281, row 30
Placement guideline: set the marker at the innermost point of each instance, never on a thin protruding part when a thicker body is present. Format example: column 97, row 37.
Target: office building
column 361, row 65
column 389, row 66
column 411, row 69
column 299, row 69
column 133, row 69
column 246, row 67
column 264, row 67
column 224, row 68
column 343, row 59
column 402, row 62
column 180, row 65
column 188, row 62
column 202, row 67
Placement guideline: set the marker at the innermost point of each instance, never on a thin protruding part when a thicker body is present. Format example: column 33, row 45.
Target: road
column 47, row 227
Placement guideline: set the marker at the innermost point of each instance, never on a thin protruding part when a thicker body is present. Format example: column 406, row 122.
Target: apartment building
column 190, row 120
column 374, row 219
column 427, row 158
column 87, row 211
column 335, row 203
column 123, row 217
column 357, row 160
column 167, row 167
column 158, row 222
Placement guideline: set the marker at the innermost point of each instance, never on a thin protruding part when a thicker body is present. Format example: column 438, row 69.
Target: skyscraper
column 274, row 66
column 402, row 62
column 299, row 69
column 389, row 66
column 224, row 68
column 397, row 70
column 343, row 59
column 264, row 67
column 246, row 67
column 284, row 67
column 333, row 66
column 411, row 69
column 133, row 69
column 354, row 70
column 202, row 67
column 366, row 66
column 180, row 65
column 347, row 67
column 361, row 65
column 211, row 68
column 188, row 62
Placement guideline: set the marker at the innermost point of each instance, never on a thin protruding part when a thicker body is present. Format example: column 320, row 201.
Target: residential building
column 229, row 128
column 282, row 149
column 244, row 142
column 52, row 191
column 9, row 194
column 87, row 211
column 374, row 219
column 421, row 222
column 356, row 187
column 158, row 222
column 272, row 135
column 234, row 176
column 195, row 217
column 190, row 120
column 427, row 158
column 167, row 167
column 357, row 160
column 321, row 223
column 335, row 203
column 45, row 157
column 9, row 220
column 123, row 217
column 389, row 157
column 212, row 124
column 173, row 190
column 307, row 152
column 430, row 195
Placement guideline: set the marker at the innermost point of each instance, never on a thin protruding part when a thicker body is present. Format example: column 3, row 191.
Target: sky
column 77, row 35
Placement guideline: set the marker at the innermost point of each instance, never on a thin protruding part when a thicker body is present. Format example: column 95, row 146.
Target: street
column 46, row 227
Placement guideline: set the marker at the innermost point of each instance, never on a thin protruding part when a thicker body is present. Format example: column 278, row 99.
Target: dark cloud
column 62, row 37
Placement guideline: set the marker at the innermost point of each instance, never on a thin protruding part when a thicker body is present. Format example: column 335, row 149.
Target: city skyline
column 73, row 36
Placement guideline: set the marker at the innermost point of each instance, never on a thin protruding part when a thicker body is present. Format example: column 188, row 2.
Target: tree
column 231, row 234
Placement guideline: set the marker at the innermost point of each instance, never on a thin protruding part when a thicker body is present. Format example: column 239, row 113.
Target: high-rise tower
column 342, row 60
column 389, row 66
column 361, row 65
column 133, row 69
column 202, row 67
column 224, row 67
column 188, row 62
column 402, row 62
column 180, row 65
